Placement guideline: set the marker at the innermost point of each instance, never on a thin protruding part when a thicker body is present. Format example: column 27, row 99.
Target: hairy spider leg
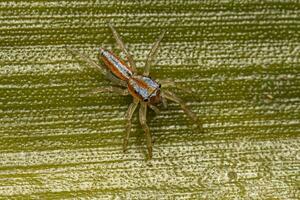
column 164, row 102
column 154, row 108
column 143, row 121
column 129, row 113
column 170, row 83
column 171, row 96
column 151, row 54
column 122, row 47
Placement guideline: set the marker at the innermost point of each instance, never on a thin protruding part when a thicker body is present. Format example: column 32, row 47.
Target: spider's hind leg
column 122, row 47
column 97, row 66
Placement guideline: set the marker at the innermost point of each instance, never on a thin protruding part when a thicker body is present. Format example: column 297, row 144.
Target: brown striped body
column 141, row 87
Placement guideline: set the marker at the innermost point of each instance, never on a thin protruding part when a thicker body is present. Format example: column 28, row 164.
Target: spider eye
column 145, row 100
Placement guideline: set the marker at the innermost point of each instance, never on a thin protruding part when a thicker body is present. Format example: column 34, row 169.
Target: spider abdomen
column 115, row 65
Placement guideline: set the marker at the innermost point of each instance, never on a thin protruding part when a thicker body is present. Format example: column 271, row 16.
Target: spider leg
column 154, row 108
column 164, row 102
column 170, row 83
column 171, row 96
column 152, row 54
column 122, row 47
column 143, row 121
column 117, row 90
column 129, row 114
column 102, row 69
column 167, row 83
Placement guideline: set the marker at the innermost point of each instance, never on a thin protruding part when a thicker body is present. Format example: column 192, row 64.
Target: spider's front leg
column 154, row 108
column 143, row 121
column 171, row 96
column 169, row 83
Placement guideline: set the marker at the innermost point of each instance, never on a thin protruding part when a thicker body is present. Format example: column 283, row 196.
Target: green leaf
column 238, row 65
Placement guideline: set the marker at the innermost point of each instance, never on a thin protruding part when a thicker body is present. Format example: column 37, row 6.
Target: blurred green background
column 237, row 60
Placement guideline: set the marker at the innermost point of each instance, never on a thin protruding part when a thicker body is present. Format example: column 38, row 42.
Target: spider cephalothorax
column 144, row 89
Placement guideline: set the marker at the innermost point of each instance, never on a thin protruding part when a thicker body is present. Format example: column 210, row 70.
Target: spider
column 145, row 91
